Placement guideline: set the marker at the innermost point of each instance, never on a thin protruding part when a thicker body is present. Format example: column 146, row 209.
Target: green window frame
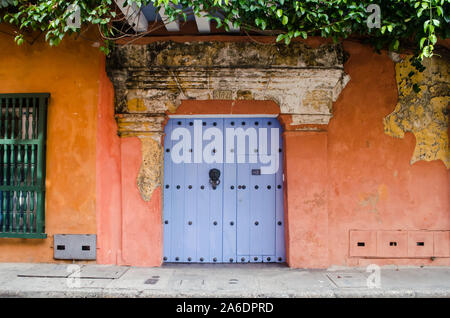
column 23, row 137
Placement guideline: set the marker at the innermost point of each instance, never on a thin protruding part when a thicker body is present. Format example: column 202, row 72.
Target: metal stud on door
column 223, row 191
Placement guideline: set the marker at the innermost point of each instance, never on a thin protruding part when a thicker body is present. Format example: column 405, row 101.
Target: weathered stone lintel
column 154, row 79
column 302, row 119
column 295, row 91
column 139, row 124
column 225, row 54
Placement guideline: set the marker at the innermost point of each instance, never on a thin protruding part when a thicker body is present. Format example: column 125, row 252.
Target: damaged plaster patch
column 150, row 173
column 425, row 114
column 154, row 79
column 369, row 201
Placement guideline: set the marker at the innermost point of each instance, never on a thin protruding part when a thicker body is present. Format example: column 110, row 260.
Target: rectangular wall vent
column 75, row 246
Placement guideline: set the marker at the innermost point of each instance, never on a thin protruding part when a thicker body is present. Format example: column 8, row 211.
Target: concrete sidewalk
column 238, row 280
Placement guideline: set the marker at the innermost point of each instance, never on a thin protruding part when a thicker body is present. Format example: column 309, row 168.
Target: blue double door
column 223, row 191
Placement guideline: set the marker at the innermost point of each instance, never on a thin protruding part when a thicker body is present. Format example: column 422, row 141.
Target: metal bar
column 5, row 165
column 30, row 197
column 4, row 209
column 25, row 95
column 19, row 165
column 25, row 188
column 11, row 183
column 18, row 180
column 24, row 235
column 10, row 210
column 13, row 120
column 5, row 195
column 40, row 164
column 25, row 165
column 1, row 115
column 6, row 119
column 11, row 166
column 33, row 164
column 20, row 117
column 23, row 216
column 16, row 210
column 35, row 118
column 20, row 142
column 27, row 121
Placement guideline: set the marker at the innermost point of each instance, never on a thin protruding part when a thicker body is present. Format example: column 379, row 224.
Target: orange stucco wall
column 346, row 176
column 305, row 213
column 70, row 73
column 141, row 221
column 108, row 176
column 371, row 184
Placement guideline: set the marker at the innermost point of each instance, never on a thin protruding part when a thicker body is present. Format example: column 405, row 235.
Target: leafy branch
column 420, row 22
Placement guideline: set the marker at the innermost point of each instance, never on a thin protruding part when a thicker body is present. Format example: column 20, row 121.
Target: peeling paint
column 318, row 100
column 150, row 173
column 136, row 105
column 318, row 201
column 425, row 114
column 369, row 201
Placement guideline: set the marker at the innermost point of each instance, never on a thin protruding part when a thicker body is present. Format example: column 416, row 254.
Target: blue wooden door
column 237, row 219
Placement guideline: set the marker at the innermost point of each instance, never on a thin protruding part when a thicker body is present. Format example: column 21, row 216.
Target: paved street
column 242, row 280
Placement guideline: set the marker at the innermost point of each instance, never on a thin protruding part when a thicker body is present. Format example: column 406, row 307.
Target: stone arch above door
column 150, row 81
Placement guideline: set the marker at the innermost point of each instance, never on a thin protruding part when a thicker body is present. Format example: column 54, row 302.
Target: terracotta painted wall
column 347, row 176
column 141, row 221
column 350, row 176
column 108, row 176
column 371, row 184
column 367, row 182
column 70, row 73
column 306, row 215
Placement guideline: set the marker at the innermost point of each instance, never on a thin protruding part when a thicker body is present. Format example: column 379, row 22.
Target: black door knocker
column 214, row 175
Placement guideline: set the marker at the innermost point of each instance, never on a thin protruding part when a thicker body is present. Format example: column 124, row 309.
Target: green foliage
column 6, row 3
column 403, row 22
column 51, row 16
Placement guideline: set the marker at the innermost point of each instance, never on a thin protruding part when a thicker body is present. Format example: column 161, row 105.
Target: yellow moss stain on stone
column 150, row 173
column 244, row 94
column 425, row 114
column 317, row 99
column 136, row 105
column 171, row 107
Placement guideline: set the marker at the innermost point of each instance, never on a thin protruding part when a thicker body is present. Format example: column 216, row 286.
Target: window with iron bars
column 23, row 127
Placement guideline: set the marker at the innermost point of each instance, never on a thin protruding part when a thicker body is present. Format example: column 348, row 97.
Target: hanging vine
column 404, row 24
